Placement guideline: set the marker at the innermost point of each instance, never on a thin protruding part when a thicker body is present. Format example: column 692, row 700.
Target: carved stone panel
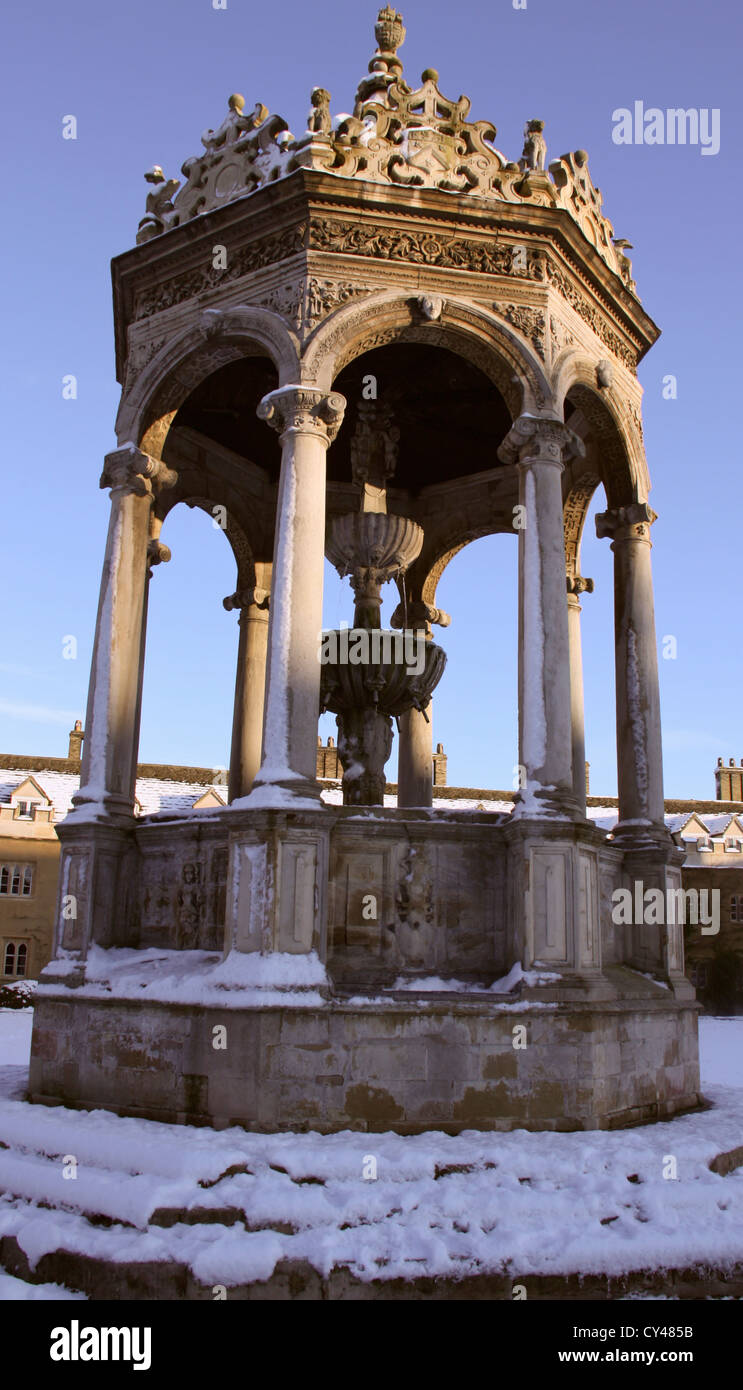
column 550, row 886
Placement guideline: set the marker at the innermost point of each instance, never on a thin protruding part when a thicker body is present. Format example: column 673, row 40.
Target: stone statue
column 534, row 153
column 319, row 120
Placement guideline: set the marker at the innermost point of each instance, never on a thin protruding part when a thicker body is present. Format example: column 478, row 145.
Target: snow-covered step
column 117, row 1197
column 101, row 1139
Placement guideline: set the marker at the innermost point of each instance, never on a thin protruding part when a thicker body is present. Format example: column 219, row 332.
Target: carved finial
column 236, row 103
column 389, row 30
column 385, row 67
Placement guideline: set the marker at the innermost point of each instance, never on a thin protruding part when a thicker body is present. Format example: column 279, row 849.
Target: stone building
column 376, row 342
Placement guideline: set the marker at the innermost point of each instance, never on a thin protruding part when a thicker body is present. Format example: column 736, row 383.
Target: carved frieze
column 305, row 303
column 257, row 254
column 590, row 315
column 426, row 248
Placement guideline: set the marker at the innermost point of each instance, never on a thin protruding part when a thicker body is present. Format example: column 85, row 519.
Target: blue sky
column 143, row 82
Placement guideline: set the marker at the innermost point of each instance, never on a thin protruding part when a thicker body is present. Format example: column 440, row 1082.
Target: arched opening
column 189, row 669
column 440, row 420
column 604, row 478
column 476, row 709
column 227, row 463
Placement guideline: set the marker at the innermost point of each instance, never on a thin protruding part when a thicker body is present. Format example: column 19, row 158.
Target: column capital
column 157, row 553
column 129, row 470
column 247, row 598
column 577, row 585
column 303, row 410
column 626, row 523
column 540, row 439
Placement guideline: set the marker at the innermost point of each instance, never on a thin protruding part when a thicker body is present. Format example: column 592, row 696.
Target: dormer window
column 732, row 846
column 26, row 809
column 704, row 844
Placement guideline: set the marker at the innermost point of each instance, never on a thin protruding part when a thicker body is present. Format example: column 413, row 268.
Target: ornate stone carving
column 426, row 248
column 129, row 470
column 261, row 252
column 528, row 321
column 540, row 439
column 303, row 409
column 574, row 514
column 243, row 153
column 396, row 135
column 374, row 444
column 626, row 523
column 247, row 598
column 560, row 335
column 431, row 306
column 534, row 153
column 319, row 120
column 590, row 315
column 157, row 553
column 577, row 585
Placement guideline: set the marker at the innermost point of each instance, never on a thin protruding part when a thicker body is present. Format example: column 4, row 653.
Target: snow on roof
column 153, row 793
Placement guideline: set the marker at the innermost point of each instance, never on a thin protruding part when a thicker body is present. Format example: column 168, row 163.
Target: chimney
column 76, row 742
column 728, row 781
column 439, row 766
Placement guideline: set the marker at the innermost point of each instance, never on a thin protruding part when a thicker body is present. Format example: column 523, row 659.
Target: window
column 698, row 976
column 704, row 843
column 732, row 846
column 15, row 958
column 736, row 908
column 16, row 880
column 26, row 809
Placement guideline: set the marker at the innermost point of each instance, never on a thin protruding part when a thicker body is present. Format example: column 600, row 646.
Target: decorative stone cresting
column 396, row 135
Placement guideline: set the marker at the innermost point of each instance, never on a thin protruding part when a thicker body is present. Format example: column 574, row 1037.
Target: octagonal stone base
column 404, row 1064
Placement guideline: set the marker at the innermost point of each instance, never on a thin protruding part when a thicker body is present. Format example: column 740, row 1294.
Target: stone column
column 109, row 761
column 250, row 682
column 308, row 420
column 639, row 751
column 540, row 446
column 577, row 585
column 415, row 758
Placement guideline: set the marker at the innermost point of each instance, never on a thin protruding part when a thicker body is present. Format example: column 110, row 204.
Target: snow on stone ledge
column 201, row 977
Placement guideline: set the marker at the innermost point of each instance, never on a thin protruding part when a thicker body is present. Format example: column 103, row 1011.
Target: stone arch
column 240, row 545
column 465, row 328
column 436, row 563
column 619, row 455
column 220, row 336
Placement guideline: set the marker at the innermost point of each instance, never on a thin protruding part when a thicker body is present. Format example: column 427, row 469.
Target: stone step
column 297, row 1280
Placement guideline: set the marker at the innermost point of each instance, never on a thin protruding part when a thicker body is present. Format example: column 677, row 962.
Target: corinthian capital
column 626, row 523
column 540, row 439
column 129, row 470
column 303, row 410
column 247, row 598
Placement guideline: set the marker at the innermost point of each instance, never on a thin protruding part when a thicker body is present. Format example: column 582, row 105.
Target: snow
column 11, row 1288
column 200, row 977
column 523, row 1203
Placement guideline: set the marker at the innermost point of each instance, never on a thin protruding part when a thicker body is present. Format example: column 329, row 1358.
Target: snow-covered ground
column 381, row 1205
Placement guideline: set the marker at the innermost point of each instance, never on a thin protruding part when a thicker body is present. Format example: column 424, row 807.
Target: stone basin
column 390, row 686
column 373, row 540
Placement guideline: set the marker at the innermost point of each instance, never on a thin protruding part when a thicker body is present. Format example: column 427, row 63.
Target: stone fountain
column 370, row 675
